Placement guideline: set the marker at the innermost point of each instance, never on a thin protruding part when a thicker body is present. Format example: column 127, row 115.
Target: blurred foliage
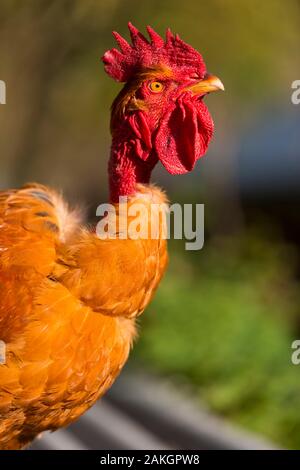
column 226, row 326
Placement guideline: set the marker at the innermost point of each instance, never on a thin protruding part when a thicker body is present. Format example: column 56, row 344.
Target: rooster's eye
column 156, row 87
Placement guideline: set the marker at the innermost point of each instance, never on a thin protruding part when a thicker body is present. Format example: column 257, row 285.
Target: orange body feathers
column 68, row 303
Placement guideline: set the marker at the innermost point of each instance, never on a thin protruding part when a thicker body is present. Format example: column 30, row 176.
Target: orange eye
column 156, row 87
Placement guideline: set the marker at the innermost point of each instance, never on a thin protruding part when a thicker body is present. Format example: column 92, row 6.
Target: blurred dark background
column 224, row 318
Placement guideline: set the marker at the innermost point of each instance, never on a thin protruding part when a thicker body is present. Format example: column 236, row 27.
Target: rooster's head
column 162, row 100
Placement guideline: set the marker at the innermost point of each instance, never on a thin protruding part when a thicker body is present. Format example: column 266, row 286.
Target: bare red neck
column 126, row 169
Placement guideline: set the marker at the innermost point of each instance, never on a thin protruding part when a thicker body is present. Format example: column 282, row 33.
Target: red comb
column 124, row 63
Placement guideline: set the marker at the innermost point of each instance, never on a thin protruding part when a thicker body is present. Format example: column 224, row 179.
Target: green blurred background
column 224, row 318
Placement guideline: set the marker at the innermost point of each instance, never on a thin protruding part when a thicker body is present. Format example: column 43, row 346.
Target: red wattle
column 184, row 134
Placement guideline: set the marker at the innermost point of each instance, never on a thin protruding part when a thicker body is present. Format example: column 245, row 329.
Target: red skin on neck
column 126, row 169
column 175, row 128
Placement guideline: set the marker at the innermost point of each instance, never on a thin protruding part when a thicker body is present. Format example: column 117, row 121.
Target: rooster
column 69, row 299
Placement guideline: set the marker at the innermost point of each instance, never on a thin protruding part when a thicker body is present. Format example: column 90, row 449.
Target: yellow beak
column 207, row 85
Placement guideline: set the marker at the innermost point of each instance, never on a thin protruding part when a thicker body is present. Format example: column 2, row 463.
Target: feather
column 68, row 302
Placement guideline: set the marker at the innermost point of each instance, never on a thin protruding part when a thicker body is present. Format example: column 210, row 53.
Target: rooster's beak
column 207, row 85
